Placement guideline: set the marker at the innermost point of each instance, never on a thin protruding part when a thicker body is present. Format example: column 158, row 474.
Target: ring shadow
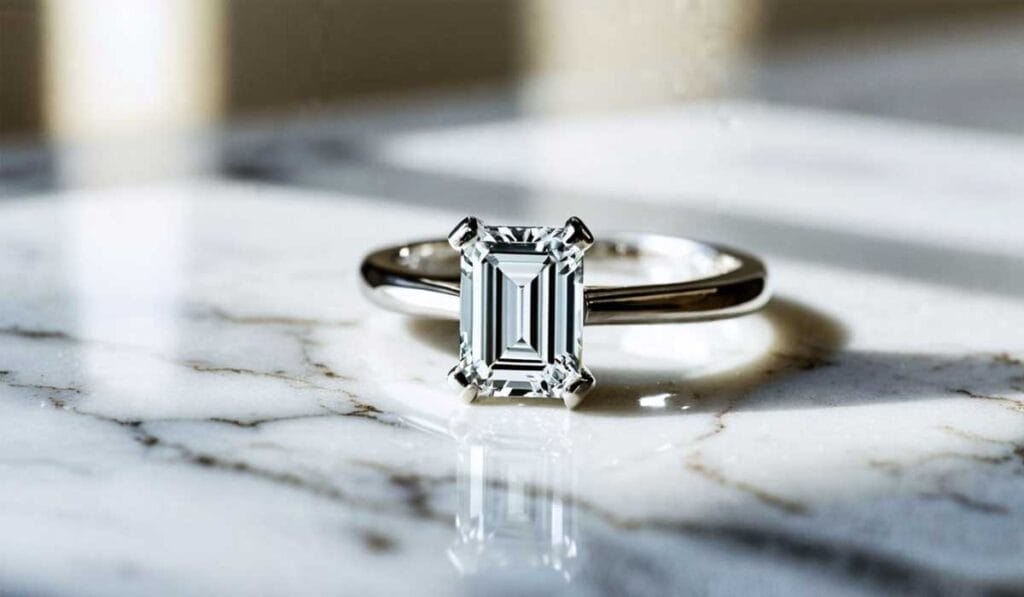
column 805, row 366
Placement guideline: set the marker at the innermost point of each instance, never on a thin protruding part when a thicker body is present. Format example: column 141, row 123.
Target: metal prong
column 464, row 232
column 467, row 391
column 577, row 233
column 574, row 393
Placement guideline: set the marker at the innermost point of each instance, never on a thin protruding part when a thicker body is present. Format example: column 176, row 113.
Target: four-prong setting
column 521, row 316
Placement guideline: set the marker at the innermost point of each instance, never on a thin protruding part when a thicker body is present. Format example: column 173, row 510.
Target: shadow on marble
column 804, row 366
column 804, row 339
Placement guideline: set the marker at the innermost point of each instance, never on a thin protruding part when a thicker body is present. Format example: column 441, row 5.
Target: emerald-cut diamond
column 521, row 322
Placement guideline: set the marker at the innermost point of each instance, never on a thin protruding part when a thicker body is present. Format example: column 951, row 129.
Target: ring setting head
column 521, row 311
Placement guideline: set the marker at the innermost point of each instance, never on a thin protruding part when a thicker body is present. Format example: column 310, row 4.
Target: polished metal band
column 422, row 278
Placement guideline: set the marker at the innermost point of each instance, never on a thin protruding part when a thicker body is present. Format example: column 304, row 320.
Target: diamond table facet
column 521, row 323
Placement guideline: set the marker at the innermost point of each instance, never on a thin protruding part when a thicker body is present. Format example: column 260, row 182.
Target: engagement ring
column 519, row 296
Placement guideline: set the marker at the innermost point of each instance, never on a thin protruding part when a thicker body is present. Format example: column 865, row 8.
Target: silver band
column 422, row 278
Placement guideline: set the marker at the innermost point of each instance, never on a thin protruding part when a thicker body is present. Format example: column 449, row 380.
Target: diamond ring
column 518, row 294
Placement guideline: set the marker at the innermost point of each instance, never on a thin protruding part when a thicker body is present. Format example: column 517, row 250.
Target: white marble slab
column 195, row 398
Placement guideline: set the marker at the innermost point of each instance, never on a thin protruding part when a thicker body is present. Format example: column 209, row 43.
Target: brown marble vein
column 786, row 505
column 361, row 408
column 275, row 320
column 1014, row 405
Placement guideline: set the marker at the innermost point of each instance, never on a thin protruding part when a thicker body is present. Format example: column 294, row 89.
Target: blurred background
column 113, row 75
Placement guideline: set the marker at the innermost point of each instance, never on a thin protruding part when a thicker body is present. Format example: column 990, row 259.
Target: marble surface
column 196, row 399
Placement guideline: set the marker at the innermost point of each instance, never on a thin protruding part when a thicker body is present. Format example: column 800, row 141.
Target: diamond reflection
column 516, row 510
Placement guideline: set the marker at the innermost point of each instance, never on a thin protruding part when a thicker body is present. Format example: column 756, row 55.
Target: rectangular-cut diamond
column 522, row 311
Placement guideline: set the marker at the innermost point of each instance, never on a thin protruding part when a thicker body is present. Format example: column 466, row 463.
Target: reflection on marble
column 195, row 398
column 516, row 490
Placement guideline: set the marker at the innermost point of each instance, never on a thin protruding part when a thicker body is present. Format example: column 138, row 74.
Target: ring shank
column 422, row 278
